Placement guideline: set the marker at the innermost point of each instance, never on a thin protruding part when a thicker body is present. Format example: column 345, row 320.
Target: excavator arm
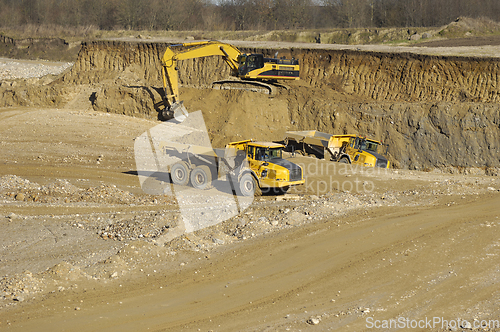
column 178, row 52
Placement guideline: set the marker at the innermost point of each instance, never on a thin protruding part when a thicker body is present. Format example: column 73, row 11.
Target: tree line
column 241, row 14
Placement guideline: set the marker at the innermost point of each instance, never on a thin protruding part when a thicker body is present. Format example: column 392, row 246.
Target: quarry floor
column 83, row 248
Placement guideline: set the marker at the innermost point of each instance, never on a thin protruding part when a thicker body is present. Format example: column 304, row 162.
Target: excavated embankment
column 432, row 111
column 378, row 76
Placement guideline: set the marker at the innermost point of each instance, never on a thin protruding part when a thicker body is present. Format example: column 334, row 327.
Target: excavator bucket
column 177, row 111
column 180, row 111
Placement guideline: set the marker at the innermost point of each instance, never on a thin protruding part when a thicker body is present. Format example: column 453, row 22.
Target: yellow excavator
column 252, row 69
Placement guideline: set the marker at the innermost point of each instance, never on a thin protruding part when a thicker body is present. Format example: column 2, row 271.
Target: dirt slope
column 432, row 111
column 376, row 76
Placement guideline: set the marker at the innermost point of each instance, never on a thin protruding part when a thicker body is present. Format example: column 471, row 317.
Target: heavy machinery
column 268, row 170
column 349, row 149
column 252, row 167
column 252, row 69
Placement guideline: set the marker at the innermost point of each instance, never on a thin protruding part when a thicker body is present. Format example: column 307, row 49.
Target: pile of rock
column 10, row 69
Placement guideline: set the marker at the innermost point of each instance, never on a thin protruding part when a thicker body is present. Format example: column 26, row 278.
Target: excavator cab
column 256, row 67
column 249, row 62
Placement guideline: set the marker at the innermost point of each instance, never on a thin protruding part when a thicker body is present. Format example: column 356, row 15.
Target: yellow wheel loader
column 251, row 69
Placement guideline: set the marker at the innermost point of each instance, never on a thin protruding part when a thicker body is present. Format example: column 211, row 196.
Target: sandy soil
column 395, row 244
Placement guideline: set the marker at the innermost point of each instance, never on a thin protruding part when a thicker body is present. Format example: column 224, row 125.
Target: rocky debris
column 16, row 182
column 10, row 70
column 20, row 197
column 21, row 287
column 12, row 216
column 118, row 226
column 314, row 320
column 217, row 241
column 296, row 218
column 415, row 37
column 426, row 35
column 62, row 191
column 65, row 271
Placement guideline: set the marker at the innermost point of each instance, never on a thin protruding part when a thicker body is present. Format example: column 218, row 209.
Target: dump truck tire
column 344, row 160
column 248, row 186
column 179, row 172
column 201, row 177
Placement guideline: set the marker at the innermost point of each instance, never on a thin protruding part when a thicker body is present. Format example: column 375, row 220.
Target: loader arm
column 195, row 50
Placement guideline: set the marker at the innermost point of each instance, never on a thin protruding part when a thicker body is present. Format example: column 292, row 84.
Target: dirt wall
column 432, row 111
column 420, row 135
column 405, row 77
column 375, row 76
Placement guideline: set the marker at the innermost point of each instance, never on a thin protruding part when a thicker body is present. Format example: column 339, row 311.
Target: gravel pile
column 21, row 287
column 10, row 69
column 144, row 225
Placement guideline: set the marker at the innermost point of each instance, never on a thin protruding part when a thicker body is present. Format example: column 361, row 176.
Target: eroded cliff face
column 405, row 77
column 421, row 135
column 376, row 76
column 432, row 111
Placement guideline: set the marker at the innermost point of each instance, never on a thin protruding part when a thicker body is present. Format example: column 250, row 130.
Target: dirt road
column 402, row 244
column 399, row 262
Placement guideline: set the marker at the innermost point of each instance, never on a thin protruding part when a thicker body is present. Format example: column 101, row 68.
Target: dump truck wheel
column 249, row 186
column 201, row 177
column 179, row 172
column 344, row 160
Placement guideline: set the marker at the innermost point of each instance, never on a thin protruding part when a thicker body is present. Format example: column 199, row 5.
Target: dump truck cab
column 366, row 152
column 267, row 166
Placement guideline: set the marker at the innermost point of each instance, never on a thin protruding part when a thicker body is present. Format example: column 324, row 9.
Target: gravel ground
column 14, row 69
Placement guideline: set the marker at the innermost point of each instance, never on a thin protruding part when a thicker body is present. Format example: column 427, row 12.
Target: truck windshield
column 369, row 146
column 266, row 154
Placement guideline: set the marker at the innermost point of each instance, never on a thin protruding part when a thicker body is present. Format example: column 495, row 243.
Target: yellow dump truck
column 268, row 171
column 350, row 149
column 252, row 167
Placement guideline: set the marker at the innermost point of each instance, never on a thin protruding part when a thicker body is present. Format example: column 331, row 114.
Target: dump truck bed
column 313, row 137
column 318, row 138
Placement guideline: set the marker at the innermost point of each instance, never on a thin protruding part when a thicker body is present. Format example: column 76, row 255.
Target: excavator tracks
column 255, row 86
